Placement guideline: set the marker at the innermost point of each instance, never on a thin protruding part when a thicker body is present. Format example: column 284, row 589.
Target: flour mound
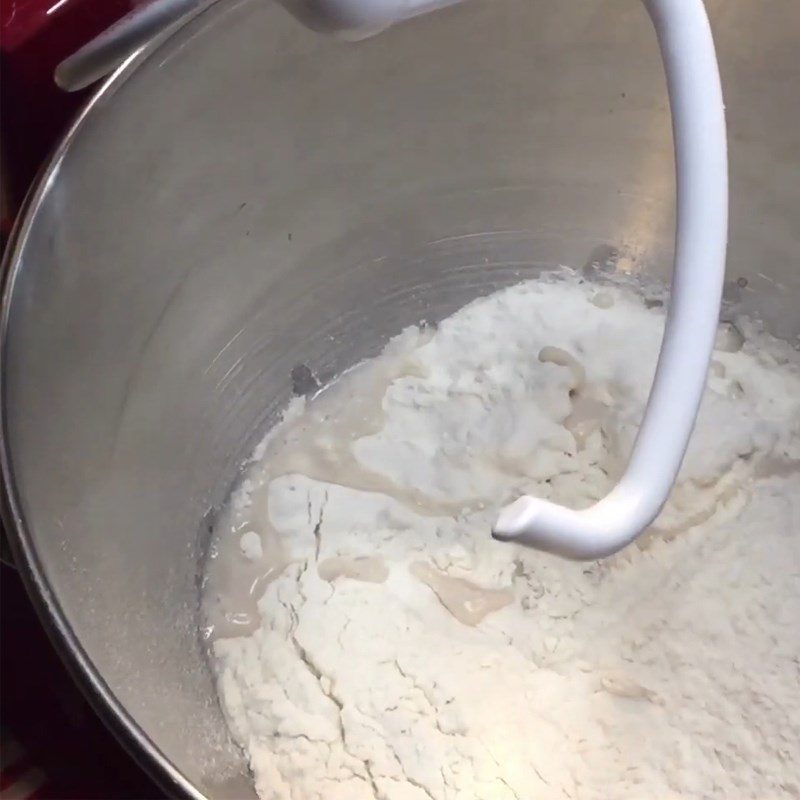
column 399, row 653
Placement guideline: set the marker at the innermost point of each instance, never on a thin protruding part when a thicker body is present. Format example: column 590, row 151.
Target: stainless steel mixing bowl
column 248, row 196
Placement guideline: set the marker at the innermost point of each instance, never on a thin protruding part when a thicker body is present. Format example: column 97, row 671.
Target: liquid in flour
column 315, row 442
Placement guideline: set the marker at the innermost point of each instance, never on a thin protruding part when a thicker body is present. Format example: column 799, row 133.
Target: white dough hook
column 701, row 232
column 698, row 122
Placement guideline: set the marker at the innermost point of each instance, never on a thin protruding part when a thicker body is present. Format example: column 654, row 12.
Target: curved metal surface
column 194, row 239
column 25, row 557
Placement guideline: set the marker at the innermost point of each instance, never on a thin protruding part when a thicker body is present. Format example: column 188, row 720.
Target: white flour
column 400, row 653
